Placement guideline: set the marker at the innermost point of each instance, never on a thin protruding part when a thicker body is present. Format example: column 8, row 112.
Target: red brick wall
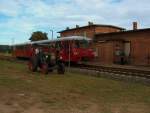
column 105, row 30
column 140, row 50
column 140, row 46
column 90, row 31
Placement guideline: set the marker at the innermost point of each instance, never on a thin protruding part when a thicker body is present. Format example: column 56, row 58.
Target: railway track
column 11, row 59
column 115, row 70
column 112, row 70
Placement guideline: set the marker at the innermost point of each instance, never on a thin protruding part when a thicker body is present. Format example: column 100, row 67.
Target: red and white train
column 73, row 48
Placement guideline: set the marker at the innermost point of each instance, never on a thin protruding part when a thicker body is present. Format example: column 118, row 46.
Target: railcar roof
column 69, row 38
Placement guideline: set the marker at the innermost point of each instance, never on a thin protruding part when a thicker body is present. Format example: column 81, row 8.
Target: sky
column 19, row 18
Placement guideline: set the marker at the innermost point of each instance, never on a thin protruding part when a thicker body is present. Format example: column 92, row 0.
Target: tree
column 38, row 35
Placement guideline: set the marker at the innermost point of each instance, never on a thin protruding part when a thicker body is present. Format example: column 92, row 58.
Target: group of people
column 40, row 52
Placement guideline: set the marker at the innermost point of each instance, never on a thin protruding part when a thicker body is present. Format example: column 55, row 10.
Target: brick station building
column 126, row 47
column 90, row 30
column 115, row 45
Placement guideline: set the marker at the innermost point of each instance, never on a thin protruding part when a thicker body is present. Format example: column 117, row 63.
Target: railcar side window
column 20, row 47
column 58, row 45
column 84, row 44
column 77, row 44
column 66, row 45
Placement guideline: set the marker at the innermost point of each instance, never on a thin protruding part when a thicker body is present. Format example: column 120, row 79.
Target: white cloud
column 9, row 8
column 27, row 16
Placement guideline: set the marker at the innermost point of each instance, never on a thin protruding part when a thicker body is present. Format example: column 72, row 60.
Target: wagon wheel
column 33, row 64
column 44, row 68
column 61, row 68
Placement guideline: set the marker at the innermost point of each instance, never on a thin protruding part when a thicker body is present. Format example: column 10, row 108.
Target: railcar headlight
column 90, row 50
column 75, row 53
column 52, row 57
column 61, row 58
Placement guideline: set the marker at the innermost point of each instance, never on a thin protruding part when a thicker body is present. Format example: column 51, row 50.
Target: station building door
column 105, row 53
column 140, row 53
column 127, row 48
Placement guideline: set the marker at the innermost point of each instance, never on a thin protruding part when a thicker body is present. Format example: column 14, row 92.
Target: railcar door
column 67, row 50
column 148, row 58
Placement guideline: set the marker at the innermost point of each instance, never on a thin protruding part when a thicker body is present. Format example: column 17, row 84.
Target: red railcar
column 73, row 48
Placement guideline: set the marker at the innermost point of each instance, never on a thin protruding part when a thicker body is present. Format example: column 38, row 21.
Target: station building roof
column 93, row 25
column 126, row 31
column 109, row 35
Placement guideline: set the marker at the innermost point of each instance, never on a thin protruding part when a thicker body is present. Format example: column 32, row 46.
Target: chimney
column 77, row 26
column 135, row 25
column 67, row 28
column 90, row 23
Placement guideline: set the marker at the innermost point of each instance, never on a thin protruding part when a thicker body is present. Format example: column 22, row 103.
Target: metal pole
column 69, row 56
column 85, row 34
column 12, row 47
column 13, row 41
column 52, row 33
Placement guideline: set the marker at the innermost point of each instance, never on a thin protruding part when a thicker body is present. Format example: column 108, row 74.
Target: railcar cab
column 75, row 49
column 81, row 48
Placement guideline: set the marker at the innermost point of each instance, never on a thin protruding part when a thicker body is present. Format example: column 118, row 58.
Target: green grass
column 70, row 92
column 5, row 54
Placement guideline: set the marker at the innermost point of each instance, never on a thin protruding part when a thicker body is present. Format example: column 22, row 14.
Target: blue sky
column 19, row 18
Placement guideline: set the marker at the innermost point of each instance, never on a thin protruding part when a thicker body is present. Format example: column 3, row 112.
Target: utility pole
column 85, row 34
column 13, row 42
column 52, row 33
column 69, row 56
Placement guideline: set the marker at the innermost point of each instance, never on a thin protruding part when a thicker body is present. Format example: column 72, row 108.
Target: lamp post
column 52, row 33
column 12, row 41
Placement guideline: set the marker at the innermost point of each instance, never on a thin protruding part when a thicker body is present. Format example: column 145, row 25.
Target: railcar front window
column 82, row 44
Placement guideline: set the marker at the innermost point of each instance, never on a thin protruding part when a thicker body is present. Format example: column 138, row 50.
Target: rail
column 116, row 70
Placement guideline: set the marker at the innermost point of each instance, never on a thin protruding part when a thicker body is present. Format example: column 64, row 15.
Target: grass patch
column 70, row 91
